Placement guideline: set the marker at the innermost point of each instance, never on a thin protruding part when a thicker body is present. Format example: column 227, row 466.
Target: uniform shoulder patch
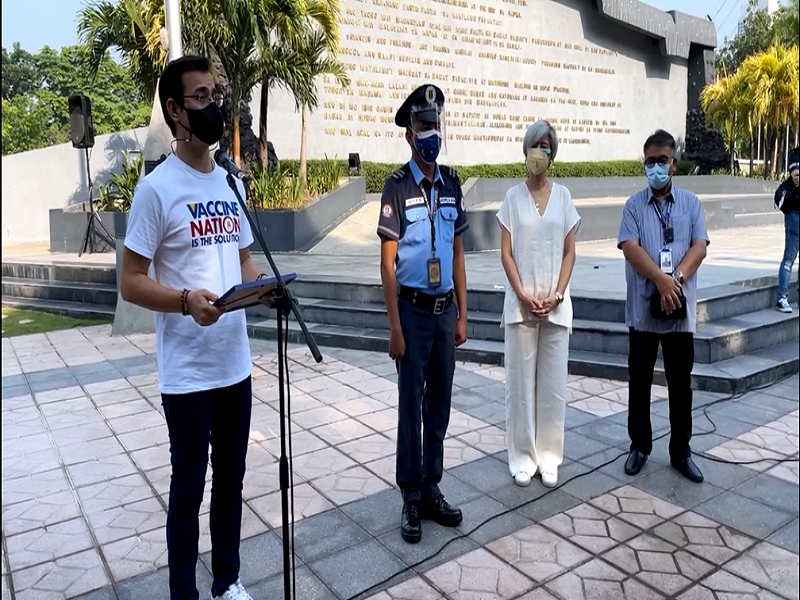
column 449, row 172
column 400, row 173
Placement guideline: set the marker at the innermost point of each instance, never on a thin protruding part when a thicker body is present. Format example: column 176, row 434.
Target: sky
column 35, row 23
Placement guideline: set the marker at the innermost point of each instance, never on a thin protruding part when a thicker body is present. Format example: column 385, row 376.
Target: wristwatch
column 678, row 276
column 559, row 297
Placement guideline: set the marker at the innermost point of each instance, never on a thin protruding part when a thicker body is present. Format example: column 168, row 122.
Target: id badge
column 666, row 261
column 434, row 272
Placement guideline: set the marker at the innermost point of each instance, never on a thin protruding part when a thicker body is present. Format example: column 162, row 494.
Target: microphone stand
column 283, row 303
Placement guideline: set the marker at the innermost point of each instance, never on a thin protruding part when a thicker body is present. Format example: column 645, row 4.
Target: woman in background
column 538, row 225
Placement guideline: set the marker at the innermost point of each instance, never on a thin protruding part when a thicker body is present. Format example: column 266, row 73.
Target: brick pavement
column 85, row 479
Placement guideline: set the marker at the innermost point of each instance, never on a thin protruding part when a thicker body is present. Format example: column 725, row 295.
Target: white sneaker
column 235, row 592
column 783, row 306
column 522, row 479
column 549, row 479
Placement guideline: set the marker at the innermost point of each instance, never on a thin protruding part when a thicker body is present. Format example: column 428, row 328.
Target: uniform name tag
column 414, row 201
column 450, row 201
column 434, row 272
column 665, row 258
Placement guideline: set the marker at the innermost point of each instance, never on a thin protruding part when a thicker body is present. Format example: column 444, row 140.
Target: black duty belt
column 433, row 304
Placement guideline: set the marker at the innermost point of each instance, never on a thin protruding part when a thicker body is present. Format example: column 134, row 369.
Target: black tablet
column 249, row 294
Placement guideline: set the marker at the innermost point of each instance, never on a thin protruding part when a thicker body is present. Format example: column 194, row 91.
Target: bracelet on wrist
column 185, row 302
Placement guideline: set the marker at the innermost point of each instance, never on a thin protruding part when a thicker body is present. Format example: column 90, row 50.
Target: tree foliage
column 762, row 91
column 36, row 88
column 284, row 40
column 318, row 57
column 757, row 32
column 133, row 28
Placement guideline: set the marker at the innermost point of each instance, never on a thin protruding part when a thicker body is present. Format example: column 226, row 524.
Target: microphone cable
column 289, row 447
column 735, row 396
column 288, row 398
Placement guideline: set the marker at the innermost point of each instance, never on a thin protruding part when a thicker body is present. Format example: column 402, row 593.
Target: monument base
column 129, row 319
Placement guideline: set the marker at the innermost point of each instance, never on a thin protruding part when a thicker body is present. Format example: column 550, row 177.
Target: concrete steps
column 713, row 303
column 730, row 376
column 715, row 341
column 741, row 340
column 70, row 309
column 100, row 294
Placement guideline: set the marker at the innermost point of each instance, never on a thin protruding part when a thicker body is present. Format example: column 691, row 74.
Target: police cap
column 794, row 160
column 424, row 94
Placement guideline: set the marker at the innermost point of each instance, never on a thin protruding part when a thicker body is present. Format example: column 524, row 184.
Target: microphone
column 226, row 163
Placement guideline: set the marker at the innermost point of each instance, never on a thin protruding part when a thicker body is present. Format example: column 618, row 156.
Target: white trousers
column 536, row 365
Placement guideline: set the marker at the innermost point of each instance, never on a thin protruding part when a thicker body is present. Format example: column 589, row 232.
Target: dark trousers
column 425, row 384
column 220, row 417
column 677, row 350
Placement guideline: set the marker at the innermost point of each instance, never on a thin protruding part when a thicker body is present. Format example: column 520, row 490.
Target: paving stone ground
column 85, row 478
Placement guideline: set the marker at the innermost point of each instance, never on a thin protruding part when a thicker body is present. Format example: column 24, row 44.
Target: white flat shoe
column 522, row 479
column 550, row 479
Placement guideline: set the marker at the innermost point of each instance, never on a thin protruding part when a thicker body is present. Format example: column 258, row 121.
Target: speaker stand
column 93, row 220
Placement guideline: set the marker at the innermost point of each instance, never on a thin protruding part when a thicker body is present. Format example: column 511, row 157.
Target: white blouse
column 537, row 245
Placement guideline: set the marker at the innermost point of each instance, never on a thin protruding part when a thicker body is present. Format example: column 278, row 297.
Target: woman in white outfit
column 538, row 223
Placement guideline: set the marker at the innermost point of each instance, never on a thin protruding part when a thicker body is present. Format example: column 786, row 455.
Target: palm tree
column 232, row 31
column 284, row 31
column 773, row 81
column 723, row 103
column 131, row 26
column 319, row 61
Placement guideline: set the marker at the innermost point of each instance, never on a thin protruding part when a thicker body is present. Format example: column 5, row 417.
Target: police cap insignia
column 424, row 94
column 430, row 94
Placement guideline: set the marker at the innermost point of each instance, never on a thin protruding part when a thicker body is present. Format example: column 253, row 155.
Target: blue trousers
column 425, row 385
column 221, row 418
column 791, row 223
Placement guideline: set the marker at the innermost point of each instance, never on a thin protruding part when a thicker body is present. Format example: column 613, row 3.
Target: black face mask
column 206, row 124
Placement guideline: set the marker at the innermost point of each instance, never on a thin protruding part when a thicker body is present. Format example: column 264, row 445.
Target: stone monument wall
column 605, row 84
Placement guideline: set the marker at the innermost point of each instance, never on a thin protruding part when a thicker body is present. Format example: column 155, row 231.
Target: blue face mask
column 428, row 144
column 657, row 176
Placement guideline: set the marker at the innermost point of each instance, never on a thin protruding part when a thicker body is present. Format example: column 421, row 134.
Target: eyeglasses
column 662, row 161
column 205, row 99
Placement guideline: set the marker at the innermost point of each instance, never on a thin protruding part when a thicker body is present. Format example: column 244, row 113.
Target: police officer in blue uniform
column 425, row 289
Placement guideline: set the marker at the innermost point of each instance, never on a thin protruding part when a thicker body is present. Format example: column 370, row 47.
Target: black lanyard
column 431, row 206
column 665, row 218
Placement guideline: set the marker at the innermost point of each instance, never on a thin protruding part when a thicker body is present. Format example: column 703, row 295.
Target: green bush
column 282, row 189
column 686, row 167
column 274, row 190
column 116, row 195
column 376, row 173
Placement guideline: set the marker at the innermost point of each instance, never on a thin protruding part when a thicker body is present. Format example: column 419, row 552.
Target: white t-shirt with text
column 537, row 244
column 190, row 225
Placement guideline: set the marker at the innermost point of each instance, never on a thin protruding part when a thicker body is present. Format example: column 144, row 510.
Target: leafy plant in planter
column 282, row 188
column 323, row 176
column 116, row 195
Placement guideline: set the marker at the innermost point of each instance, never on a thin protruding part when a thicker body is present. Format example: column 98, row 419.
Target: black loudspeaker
column 80, row 121
column 354, row 163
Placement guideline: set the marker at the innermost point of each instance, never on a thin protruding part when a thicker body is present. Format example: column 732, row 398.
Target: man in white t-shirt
column 186, row 221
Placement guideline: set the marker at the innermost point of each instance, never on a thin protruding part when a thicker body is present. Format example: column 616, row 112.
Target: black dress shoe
column 441, row 512
column 688, row 469
column 411, row 528
column 635, row 462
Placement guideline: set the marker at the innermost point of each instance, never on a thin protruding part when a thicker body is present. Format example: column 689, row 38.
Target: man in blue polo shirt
column 425, row 289
column 664, row 239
